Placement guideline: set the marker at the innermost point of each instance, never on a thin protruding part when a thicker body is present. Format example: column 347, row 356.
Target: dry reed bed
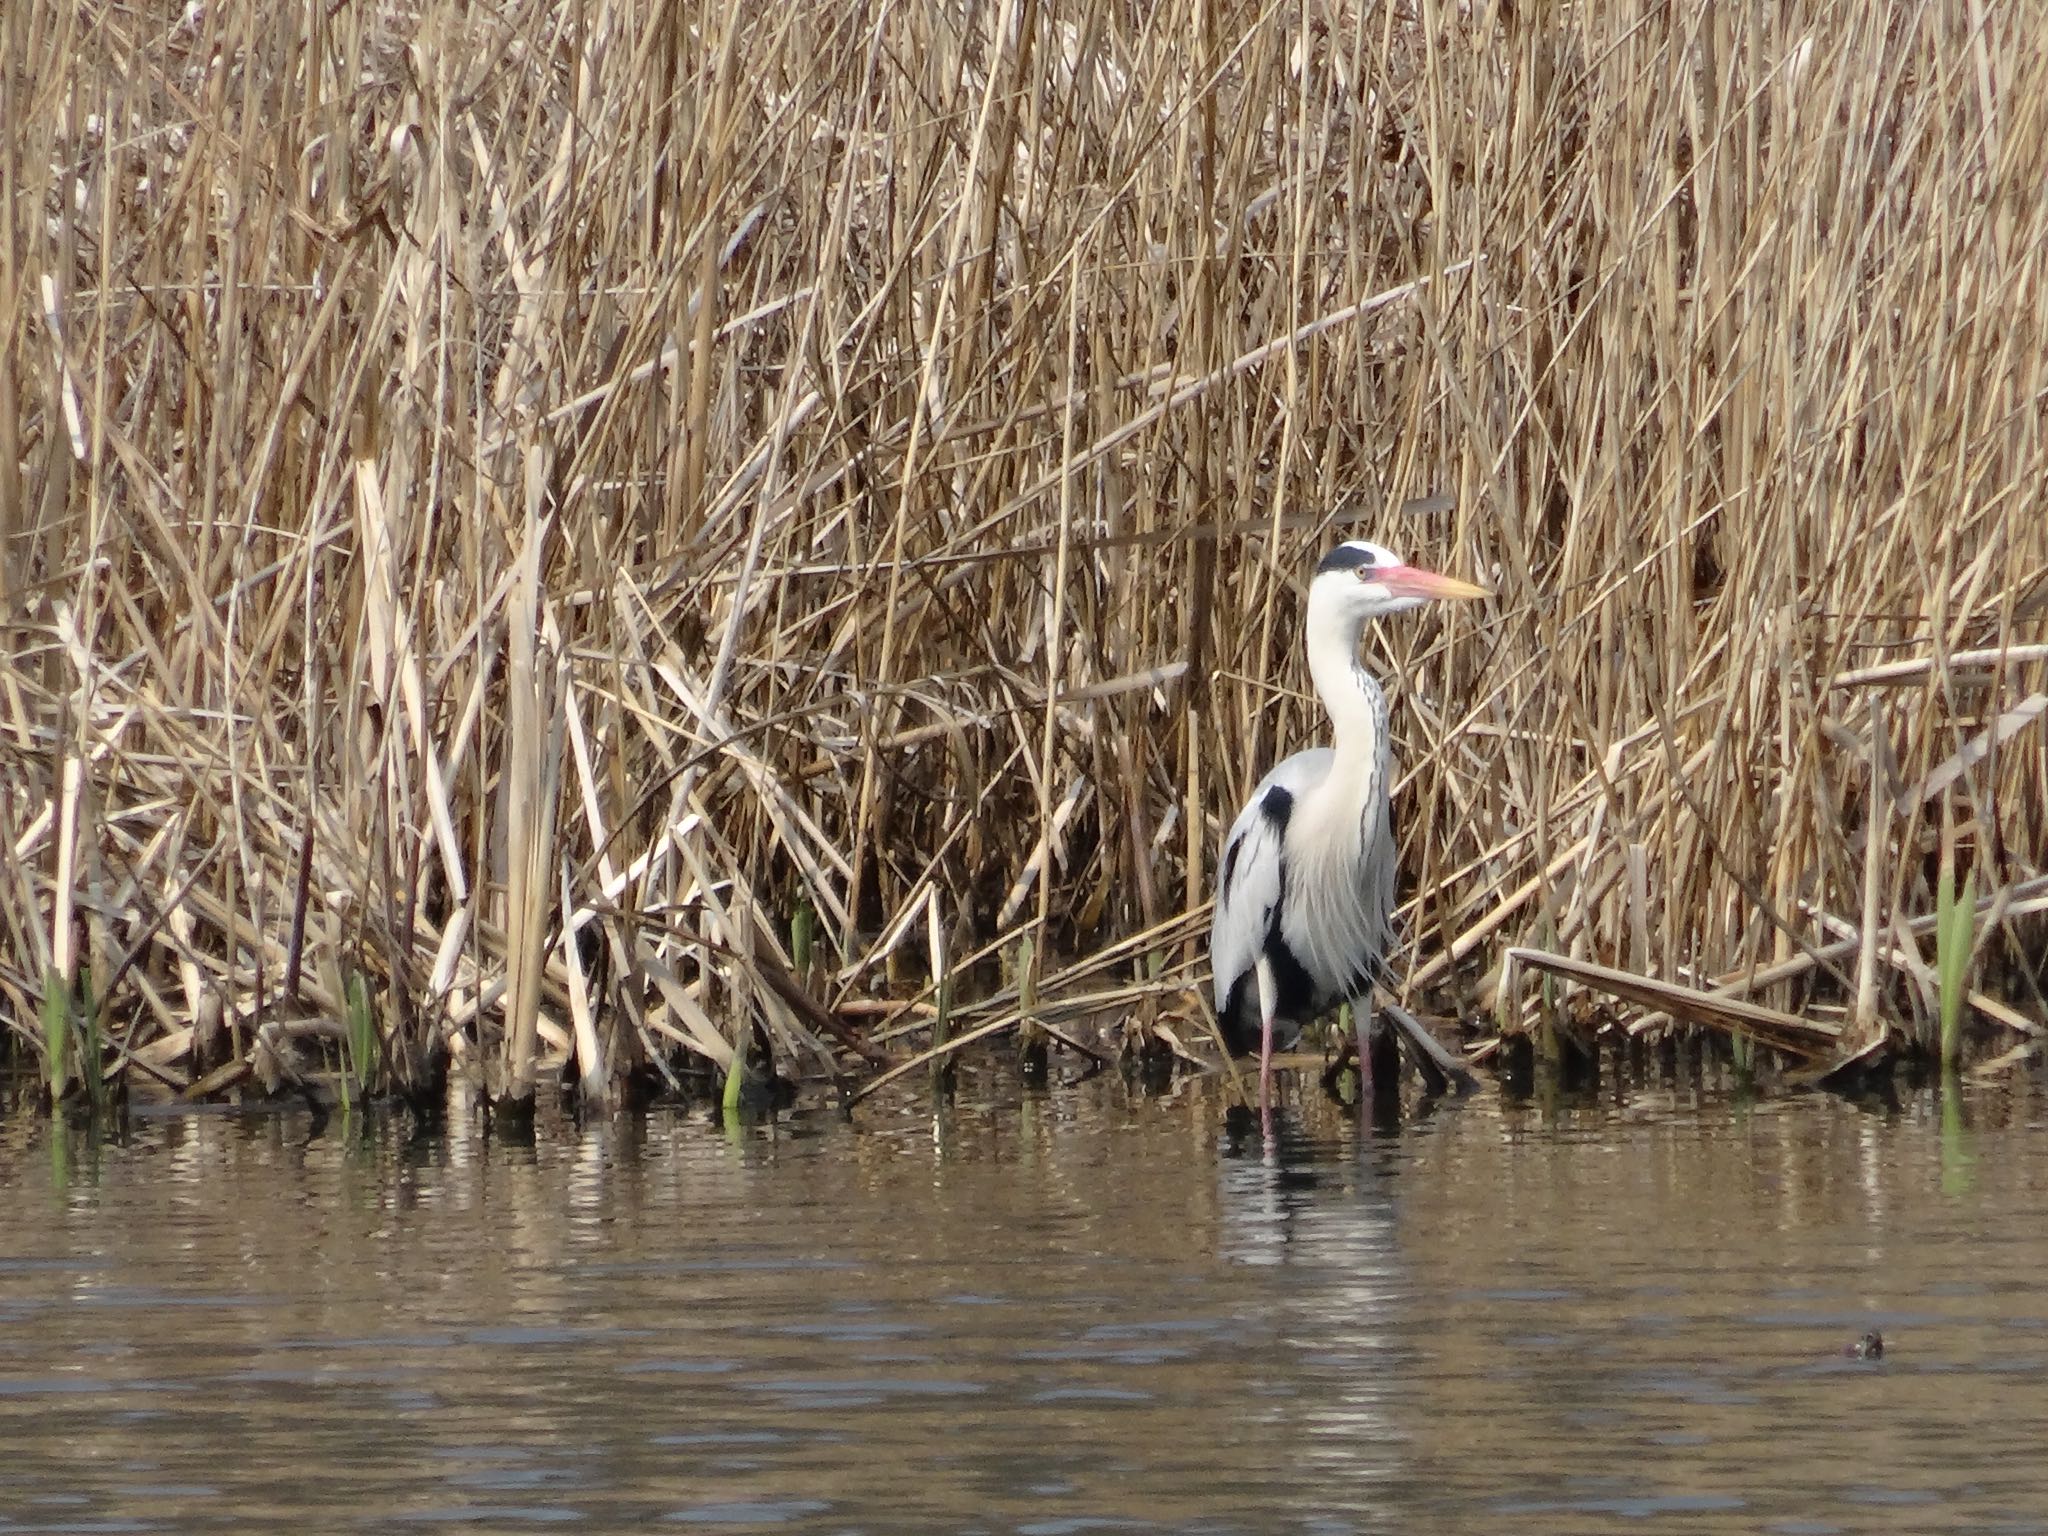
column 687, row 473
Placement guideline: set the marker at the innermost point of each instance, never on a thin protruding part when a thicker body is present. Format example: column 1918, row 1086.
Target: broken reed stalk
column 1804, row 1038
column 595, row 484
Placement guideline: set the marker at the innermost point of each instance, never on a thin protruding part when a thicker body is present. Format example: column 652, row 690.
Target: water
column 1076, row 1312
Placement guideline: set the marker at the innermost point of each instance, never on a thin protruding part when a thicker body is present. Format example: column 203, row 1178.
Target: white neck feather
column 1357, row 706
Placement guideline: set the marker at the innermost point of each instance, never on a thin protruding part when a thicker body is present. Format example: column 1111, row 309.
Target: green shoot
column 56, row 1034
column 1954, row 919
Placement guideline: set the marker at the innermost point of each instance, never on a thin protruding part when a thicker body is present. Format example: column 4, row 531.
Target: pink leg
column 1269, row 1004
column 1266, row 1076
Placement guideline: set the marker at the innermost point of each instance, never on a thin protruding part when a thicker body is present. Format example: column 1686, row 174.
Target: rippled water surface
column 1082, row 1311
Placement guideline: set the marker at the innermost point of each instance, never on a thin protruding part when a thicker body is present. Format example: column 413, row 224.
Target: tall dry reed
column 505, row 506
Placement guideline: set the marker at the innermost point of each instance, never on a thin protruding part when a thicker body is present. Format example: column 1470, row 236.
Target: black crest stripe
column 1346, row 557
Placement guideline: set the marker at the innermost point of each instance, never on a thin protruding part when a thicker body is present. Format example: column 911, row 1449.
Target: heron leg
column 1269, row 1003
column 1266, row 1073
column 1361, row 1018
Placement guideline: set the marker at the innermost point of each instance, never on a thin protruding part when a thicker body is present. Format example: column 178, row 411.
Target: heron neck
column 1357, row 706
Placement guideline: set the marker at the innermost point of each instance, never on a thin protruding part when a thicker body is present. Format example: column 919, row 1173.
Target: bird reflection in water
column 1316, row 1213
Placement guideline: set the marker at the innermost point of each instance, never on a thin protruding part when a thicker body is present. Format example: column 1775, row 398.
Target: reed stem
column 871, row 464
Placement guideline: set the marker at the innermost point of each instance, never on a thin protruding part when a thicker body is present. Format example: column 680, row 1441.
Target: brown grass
column 469, row 469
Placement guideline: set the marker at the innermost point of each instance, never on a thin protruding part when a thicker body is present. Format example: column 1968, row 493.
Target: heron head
column 1364, row 581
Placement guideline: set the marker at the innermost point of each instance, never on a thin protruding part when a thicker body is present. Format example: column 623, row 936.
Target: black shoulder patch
column 1230, row 863
column 1278, row 806
column 1347, row 557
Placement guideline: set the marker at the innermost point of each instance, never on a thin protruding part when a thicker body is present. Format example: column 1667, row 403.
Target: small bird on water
column 1305, row 894
column 1869, row 1347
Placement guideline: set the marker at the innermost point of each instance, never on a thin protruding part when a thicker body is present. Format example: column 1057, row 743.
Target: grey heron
column 1305, row 892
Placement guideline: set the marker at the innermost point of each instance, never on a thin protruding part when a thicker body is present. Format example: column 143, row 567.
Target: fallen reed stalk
column 513, row 505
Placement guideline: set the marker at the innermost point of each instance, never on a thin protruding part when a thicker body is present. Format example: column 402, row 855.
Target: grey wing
column 1250, row 882
column 1248, row 889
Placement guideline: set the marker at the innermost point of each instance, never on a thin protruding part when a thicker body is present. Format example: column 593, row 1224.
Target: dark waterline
column 1072, row 1312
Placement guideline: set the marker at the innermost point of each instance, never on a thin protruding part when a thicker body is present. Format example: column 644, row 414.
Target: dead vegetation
column 593, row 532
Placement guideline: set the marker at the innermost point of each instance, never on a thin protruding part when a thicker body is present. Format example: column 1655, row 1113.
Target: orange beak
column 1413, row 581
